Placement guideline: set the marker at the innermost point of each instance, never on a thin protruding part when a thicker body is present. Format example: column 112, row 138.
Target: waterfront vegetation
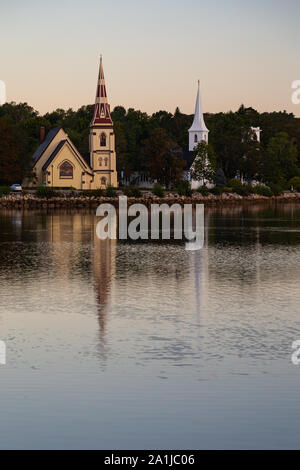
column 156, row 144
column 4, row 190
column 55, row 198
column 132, row 191
column 183, row 189
column 158, row 190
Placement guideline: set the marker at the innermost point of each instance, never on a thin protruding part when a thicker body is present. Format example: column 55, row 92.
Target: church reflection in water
column 104, row 267
column 68, row 247
column 75, row 248
column 106, row 274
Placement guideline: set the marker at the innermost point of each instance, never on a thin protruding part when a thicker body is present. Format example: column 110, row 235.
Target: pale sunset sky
column 154, row 51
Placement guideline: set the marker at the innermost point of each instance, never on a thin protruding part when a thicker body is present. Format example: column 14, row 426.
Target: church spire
column 198, row 123
column 101, row 108
column 198, row 132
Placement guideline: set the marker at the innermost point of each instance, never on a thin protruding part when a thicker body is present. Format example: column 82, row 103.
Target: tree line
column 156, row 144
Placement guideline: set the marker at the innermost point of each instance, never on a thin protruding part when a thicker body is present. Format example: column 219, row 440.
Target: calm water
column 122, row 346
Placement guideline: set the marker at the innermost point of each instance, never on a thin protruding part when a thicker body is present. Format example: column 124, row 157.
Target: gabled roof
column 59, row 147
column 43, row 146
column 53, row 154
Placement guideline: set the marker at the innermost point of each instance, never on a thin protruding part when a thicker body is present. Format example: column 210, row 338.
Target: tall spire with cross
column 101, row 109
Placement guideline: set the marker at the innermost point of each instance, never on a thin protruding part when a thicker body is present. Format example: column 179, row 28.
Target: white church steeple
column 198, row 131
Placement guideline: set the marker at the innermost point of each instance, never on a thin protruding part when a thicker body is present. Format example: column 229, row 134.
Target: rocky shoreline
column 29, row 201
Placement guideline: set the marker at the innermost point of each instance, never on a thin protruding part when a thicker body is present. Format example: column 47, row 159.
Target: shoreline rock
column 29, row 201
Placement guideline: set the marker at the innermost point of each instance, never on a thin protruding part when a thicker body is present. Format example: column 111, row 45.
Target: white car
column 16, row 188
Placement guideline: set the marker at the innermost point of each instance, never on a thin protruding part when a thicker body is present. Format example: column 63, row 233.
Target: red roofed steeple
column 101, row 108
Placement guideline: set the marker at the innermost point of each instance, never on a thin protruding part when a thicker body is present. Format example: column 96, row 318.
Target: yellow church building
column 57, row 162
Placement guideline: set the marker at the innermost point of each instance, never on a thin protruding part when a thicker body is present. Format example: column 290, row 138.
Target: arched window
column 103, row 181
column 196, row 138
column 103, row 140
column 106, row 161
column 66, row 170
column 100, row 161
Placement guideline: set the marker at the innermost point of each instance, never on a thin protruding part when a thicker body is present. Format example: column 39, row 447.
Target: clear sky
column 154, row 51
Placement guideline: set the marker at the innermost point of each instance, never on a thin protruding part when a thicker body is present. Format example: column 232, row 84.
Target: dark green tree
column 162, row 158
column 204, row 165
column 280, row 162
column 10, row 171
column 220, row 179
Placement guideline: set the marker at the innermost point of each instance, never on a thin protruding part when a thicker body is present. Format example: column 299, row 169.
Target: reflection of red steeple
column 103, row 267
column 101, row 108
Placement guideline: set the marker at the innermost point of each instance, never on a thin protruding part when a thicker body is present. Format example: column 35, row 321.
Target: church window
column 196, row 139
column 100, row 161
column 103, row 181
column 106, row 161
column 103, row 139
column 66, row 170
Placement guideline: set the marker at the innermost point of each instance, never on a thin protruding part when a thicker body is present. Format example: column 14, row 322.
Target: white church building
column 198, row 132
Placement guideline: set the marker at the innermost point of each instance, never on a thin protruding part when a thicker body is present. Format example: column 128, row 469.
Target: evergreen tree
column 163, row 158
column 220, row 179
column 203, row 167
column 280, row 162
column 10, row 171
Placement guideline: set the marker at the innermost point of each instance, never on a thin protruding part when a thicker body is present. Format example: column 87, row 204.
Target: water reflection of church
column 76, row 248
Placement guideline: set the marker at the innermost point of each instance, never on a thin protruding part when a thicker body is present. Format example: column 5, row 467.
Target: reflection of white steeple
column 198, row 131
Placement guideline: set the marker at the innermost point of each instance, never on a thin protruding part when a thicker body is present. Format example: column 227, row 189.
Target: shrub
column 238, row 187
column 202, row 190
column 184, row 188
column 127, row 190
column 244, row 191
column 262, row 190
column 110, row 191
column 132, row 191
column 93, row 193
column 295, row 183
column 158, row 190
column 136, row 192
column 249, row 189
column 217, row 190
column 4, row 190
column 235, row 184
column 45, row 192
column 276, row 189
